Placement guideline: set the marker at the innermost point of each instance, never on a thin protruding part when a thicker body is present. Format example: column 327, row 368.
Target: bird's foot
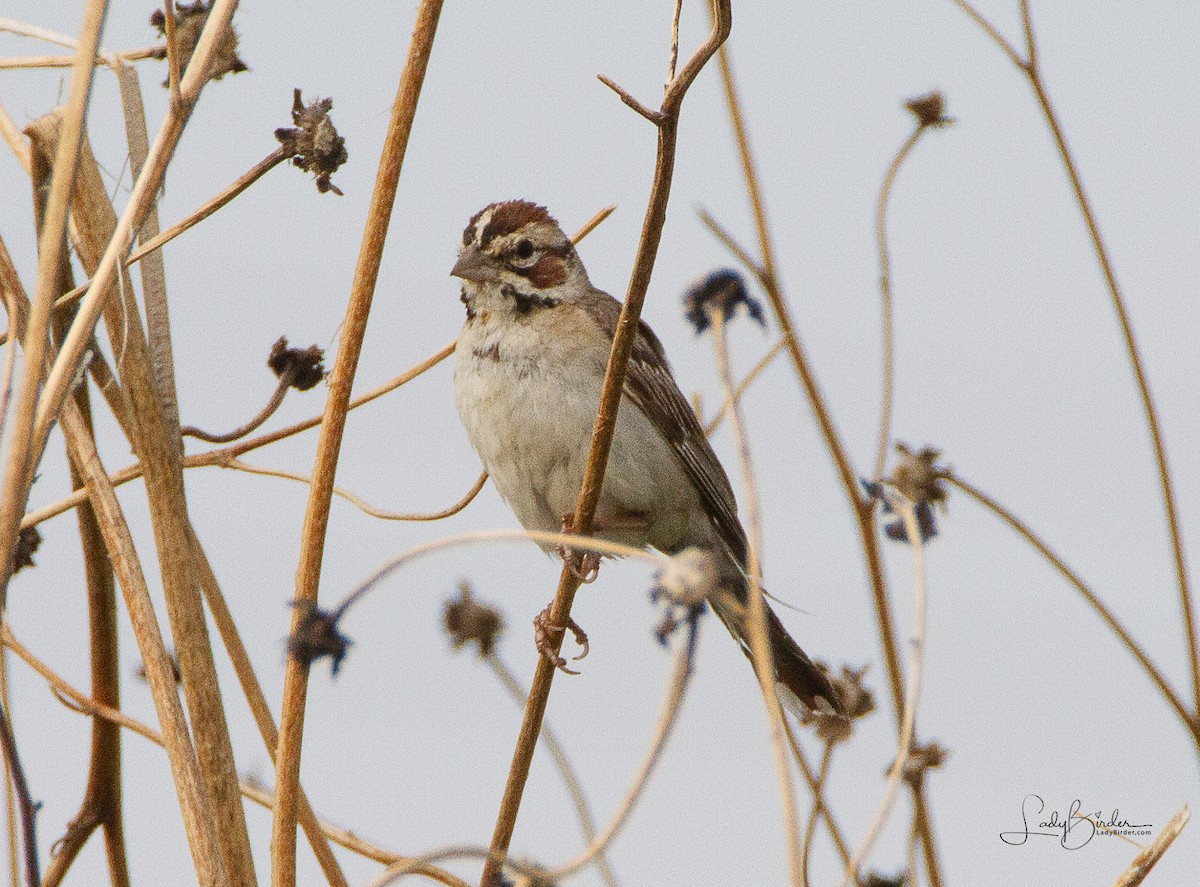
column 583, row 565
column 543, row 629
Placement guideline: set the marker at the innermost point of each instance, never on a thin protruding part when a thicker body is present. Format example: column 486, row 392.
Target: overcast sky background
column 1009, row 360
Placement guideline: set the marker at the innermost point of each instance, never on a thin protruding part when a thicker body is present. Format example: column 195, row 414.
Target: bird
column 529, row 367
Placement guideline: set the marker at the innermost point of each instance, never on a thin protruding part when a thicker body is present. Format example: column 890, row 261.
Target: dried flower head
column 929, row 110
column 878, row 879
column 468, row 621
column 317, row 635
column 857, row 702
column 189, row 22
column 918, row 476
column 28, row 542
column 303, row 367
column 923, row 757
column 314, row 144
column 681, row 588
column 722, row 290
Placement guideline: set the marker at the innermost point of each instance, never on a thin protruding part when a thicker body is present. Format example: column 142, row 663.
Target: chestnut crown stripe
column 506, row 218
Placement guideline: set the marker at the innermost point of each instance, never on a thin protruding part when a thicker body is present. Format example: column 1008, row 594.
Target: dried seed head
column 189, row 22
column 28, row 542
column 303, row 367
column 857, row 702
column 929, row 110
column 314, row 143
column 317, row 635
column 918, row 476
column 878, row 879
column 468, row 621
column 722, row 290
column 681, row 588
column 923, row 757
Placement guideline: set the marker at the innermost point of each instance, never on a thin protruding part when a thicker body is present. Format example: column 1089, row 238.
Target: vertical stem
column 341, row 379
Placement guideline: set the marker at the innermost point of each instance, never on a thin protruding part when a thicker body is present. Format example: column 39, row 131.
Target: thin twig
column 1032, row 70
column 667, row 122
column 888, row 373
column 593, row 223
column 765, row 361
column 818, row 792
column 66, row 61
column 220, row 457
column 281, row 390
column 341, row 380
column 760, row 645
column 1146, row 860
column 1190, row 722
column 25, row 805
column 811, row 829
column 916, row 667
column 583, row 809
column 667, row 718
column 173, row 62
column 360, row 503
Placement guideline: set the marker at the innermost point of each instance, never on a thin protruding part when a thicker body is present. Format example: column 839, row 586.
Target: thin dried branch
column 559, row 611
column 672, row 703
column 360, row 503
column 66, row 61
column 241, row 431
column 863, row 508
column 308, row 571
column 559, row 755
column 1140, row 868
column 916, row 668
column 1032, row 71
column 750, row 378
column 25, row 445
column 1190, row 721
column 25, row 804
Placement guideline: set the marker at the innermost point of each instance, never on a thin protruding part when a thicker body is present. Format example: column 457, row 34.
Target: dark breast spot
column 526, row 303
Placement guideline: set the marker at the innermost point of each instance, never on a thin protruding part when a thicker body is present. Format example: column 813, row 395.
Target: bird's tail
column 793, row 669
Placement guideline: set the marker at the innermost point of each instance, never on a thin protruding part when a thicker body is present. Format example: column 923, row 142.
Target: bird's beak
column 473, row 265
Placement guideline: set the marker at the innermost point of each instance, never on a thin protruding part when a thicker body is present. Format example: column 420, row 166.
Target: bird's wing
column 651, row 388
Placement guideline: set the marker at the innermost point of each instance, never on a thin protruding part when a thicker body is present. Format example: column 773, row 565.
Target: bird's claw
column 543, row 629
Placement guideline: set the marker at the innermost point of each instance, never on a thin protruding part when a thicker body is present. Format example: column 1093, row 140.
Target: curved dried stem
column 888, row 373
column 583, row 809
column 25, row 806
column 281, row 390
column 765, row 361
column 1190, row 721
column 667, row 718
column 667, row 123
column 530, row 874
column 341, row 380
column 760, row 645
column 863, row 509
column 1141, row 866
column 1031, row 69
column 817, row 787
column 220, row 457
column 811, row 829
column 360, row 503
column 916, row 667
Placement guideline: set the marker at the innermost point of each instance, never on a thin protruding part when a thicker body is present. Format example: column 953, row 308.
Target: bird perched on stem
column 530, row 366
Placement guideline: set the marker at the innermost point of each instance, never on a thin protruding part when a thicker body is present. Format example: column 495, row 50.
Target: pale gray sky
column 1009, row 359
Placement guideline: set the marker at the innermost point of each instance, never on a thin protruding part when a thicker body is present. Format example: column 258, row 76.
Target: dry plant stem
column 888, row 371
column 172, row 49
column 529, row 874
column 257, row 701
column 25, row 446
column 15, row 140
column 10, row 796
column 916, row 668
column 189, row 785
column 667, row 718
column 1031, row 69
column 818, row 792
column 144, row 193
column 760, row 646
column 354, row 843
column 751, row 377
column 666, row 121
column 25, row 805
column 316, row 519
column 593, row 223
column 78, row 701
column 810, row 830
column 1148, row 858
column 864, row 510
column 101, row 805
column 360, row 503
column 1190, row 722
column 574, row 788
column 151, row 244
column 66, row 61
column 222, row 456
column 264, row 414
column 156, row 442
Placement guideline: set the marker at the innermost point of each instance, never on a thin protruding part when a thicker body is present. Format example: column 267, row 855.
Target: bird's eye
column 524, row 249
